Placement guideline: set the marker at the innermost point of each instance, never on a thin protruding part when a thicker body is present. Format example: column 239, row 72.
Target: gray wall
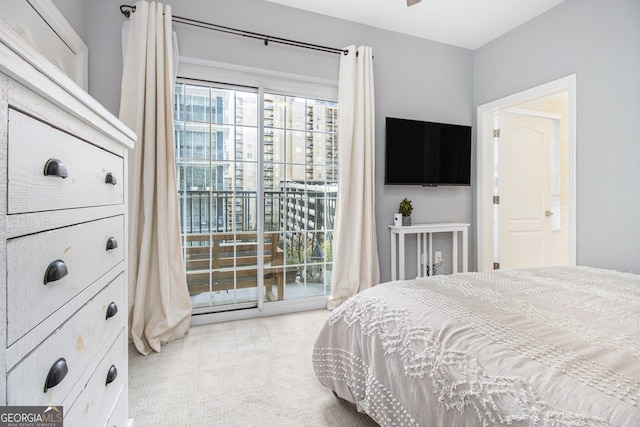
column 414, row 78
column 600, row 42
column 75, row 12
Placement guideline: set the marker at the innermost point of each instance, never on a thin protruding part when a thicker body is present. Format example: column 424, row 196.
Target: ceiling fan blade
column 412, row 2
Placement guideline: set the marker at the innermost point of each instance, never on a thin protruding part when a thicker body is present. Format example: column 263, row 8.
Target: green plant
column 405, row 207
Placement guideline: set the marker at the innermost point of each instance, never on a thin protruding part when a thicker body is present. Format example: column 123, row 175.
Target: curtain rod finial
column 127, row 10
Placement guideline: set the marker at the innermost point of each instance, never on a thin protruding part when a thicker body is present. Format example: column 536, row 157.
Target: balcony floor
column 293, row 289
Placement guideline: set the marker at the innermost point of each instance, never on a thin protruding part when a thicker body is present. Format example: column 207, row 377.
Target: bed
column 547, row 346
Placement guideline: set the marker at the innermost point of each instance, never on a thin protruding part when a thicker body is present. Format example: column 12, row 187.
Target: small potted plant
column 405, row 210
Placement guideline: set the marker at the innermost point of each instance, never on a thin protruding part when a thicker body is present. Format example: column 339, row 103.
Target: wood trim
column 59, row 24
column 23, row 63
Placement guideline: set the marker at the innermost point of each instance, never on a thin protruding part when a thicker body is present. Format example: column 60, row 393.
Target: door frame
column 484, row 164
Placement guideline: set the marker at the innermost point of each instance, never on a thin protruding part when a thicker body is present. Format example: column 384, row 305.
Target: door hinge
column 496, row 200
column 496, row 266
column 496, row 133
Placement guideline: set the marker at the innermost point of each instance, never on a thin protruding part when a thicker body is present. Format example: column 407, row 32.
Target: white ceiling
column 465, row 23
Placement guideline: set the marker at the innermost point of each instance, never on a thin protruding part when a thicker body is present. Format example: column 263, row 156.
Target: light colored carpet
column 253, row 372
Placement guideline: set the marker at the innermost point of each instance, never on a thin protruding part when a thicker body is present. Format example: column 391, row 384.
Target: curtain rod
column 127, row 10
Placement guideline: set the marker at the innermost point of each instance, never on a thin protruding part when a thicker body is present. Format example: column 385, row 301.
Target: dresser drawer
column 101, row 395
column 83, row 250
column 34, row 147
column 119, row 416
column 78, row 341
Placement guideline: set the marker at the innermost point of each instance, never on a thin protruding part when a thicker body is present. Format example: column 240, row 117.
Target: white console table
column 423, row 231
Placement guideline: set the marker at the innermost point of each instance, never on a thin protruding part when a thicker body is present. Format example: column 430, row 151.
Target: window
column 255, row 210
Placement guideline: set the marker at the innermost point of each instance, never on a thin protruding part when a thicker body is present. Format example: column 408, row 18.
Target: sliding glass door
column 257, row 184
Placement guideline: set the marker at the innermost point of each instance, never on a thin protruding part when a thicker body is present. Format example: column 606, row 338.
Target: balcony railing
column 208, row 210
column 211, row 220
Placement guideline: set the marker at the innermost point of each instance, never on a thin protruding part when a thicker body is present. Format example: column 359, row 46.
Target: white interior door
column 523, row 177
column 555, row 99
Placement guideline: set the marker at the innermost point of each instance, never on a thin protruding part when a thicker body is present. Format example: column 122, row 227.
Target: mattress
column 548, row 346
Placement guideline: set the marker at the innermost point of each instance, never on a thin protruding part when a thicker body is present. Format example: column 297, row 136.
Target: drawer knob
column 55, row 167
column 112, row 310
column 112, row 243
column 112, row 374
column 56, row 271
column 56, row 374
column 110, row 179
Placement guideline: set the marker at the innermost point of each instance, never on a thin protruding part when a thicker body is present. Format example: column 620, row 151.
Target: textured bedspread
column 549, row 347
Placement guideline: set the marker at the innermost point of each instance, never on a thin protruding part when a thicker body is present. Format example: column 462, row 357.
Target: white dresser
column 63, row 290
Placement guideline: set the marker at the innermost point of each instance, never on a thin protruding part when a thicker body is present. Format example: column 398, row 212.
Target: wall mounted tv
column 427, row 153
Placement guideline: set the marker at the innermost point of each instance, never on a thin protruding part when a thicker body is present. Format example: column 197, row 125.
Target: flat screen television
column 427, row 153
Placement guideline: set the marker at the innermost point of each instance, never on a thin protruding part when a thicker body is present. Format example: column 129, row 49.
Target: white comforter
column 549, row 347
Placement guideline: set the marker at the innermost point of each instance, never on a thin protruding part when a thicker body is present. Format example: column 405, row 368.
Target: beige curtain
column 161, row 309
column 355, row 253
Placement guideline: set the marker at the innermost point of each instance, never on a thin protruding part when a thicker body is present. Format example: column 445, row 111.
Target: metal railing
column 301, row 222
column 218, row 211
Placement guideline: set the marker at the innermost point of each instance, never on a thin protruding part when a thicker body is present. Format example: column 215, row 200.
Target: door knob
column 548, row 213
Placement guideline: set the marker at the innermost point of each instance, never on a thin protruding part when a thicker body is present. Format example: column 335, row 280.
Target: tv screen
column 427, row 153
